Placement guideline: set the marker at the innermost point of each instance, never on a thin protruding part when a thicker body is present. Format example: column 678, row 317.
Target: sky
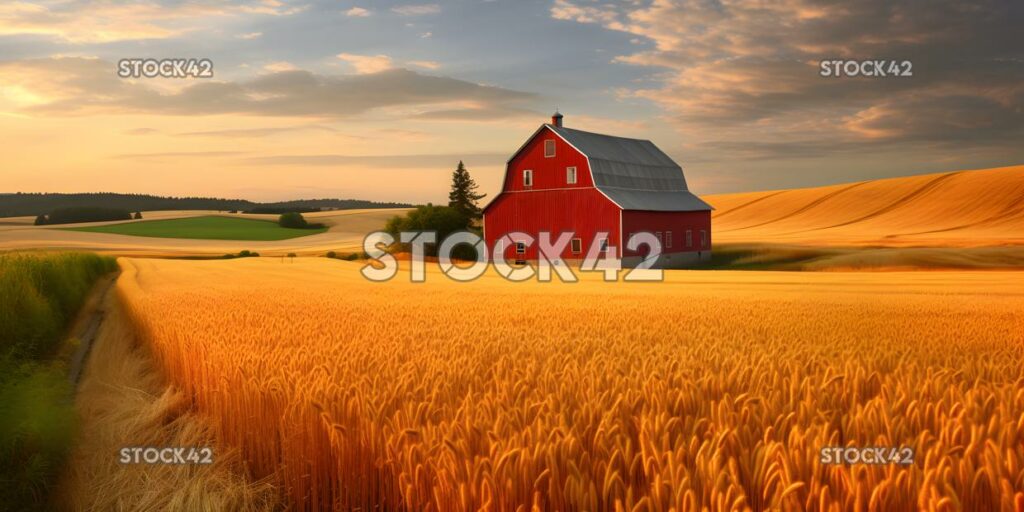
column 381, row 100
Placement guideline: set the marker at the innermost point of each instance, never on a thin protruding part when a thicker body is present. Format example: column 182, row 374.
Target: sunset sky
column 380, row 100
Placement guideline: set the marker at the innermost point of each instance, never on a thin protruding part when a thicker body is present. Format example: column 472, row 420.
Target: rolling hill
column 978, row 208
column 345, row 232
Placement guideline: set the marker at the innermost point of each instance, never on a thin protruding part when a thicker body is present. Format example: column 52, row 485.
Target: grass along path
column 205, row 228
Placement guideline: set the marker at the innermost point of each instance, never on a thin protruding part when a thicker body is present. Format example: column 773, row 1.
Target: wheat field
column 951, row 209
column 712, row 390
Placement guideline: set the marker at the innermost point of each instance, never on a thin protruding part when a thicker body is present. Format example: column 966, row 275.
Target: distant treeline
column 82, row 214
column 19, row 204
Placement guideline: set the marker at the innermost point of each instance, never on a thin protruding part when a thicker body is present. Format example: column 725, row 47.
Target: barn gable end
column 619, row 180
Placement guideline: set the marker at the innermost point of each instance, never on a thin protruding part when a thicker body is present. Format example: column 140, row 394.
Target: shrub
column 138, row 215
column 444, row 220
column 241, row 254
column 41, row 220
column 332, row 254
column 293, row 220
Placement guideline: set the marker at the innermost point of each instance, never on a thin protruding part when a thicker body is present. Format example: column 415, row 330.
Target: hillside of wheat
column 953, row 209
column 710, row 390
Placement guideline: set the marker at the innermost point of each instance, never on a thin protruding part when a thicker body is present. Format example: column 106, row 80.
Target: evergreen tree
column 463, row 196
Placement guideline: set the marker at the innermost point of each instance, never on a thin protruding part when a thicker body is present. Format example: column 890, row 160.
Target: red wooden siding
column 677, row 222
column 584, row 212
column 551, row 204
column 547, row 172
column 555, row 206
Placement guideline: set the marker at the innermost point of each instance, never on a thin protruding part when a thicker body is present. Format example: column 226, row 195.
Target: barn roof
column 633, row 173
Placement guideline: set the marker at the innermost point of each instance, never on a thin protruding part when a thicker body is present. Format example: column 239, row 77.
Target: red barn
column 570, row 180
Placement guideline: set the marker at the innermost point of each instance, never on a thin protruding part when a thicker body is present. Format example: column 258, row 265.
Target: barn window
column 527, row 178
column 689, row 238
column 703, row 238
column 668, row 239
column 661, row 241
column 576, row 245
column 570, row 175
column 520, row 248
column 549, row 148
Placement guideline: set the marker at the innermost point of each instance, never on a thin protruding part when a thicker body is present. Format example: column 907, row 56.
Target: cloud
column 250, row 35
column 106, row 22
column 76, row 86
column 357, row 12
column 277, row 67
column 175, row 155
column 416, row 10
column 425, row 64
column 738, row 74
column 141, row 131
column 426, row 35
column 425, row 161
column 479, row 113
column 364, row 64
column 605, row 15
column 246, row 133
column 405, row 135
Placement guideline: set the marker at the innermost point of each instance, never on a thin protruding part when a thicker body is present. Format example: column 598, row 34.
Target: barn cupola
column 557, row 119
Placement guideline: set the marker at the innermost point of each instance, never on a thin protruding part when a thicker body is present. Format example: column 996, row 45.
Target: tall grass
column 39, row 296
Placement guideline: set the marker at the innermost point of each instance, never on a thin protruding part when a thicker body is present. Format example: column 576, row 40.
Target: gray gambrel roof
column 633, row 173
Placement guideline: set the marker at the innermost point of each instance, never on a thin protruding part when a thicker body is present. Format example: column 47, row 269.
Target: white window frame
column 689, row 238
column 703, row 238
column 668, row 239
column 520, row 247
column 549, row 143
column 570, row 175
column 527, row 177
column 576, row 245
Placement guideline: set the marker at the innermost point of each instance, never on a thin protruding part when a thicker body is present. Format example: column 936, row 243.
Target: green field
column 205, row 228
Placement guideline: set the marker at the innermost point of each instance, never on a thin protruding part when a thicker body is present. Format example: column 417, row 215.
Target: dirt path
column 92, row 317
column 123, row 401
